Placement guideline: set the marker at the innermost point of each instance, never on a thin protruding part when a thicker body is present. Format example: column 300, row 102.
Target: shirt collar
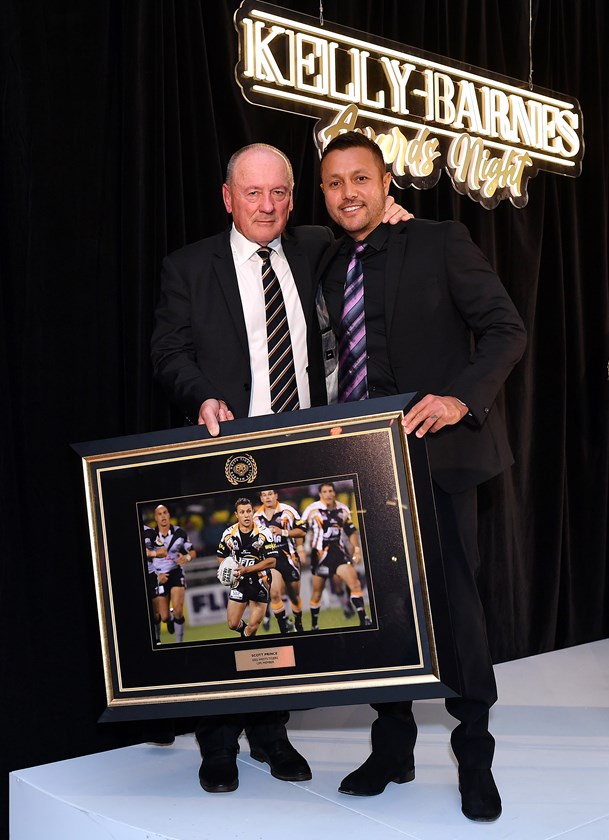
column 376, row 239
column 243, row 249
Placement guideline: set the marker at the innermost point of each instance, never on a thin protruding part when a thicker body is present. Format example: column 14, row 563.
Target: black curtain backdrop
column 118, row 119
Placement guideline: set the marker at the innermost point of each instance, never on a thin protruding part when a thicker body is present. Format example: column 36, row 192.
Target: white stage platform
column 552, row 768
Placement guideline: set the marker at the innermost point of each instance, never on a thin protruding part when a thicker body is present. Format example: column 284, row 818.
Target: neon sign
column 490, row 133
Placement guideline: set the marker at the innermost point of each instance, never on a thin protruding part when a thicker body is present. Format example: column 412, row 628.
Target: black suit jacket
column 452, row 330
column 199, row 342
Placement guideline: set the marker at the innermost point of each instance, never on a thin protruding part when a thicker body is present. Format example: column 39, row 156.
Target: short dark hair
column 243, row 501
column 327, row 484
column 354, row 140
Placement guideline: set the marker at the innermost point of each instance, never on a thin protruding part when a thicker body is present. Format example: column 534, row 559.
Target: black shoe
column 374, row 775
column 159, row 733
column 218, row 771
column 285, row 762
column 480, row 800
column 348, row 609
column 161, row 740
column 171, row 627
column 285, row 626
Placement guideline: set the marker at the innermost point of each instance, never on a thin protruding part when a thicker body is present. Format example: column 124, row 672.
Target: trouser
column 394, row 732
column 223, row 731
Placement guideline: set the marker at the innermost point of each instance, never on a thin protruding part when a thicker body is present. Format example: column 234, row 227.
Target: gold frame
column 407, row 653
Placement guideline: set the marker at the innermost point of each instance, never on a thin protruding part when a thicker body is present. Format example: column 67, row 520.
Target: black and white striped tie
column 282, row 375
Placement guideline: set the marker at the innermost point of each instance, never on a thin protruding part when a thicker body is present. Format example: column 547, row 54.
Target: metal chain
column 321, row 13
column 530, row 44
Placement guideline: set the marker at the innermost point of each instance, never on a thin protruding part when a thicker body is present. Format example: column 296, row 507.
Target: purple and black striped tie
column 352, row 368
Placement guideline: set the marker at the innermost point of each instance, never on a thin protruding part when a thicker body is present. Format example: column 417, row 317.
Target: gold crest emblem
column 241, row 469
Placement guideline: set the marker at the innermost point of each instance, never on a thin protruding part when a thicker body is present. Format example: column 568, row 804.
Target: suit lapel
column 329, row 255
column 394, row 274
column 300, row 268
column 223, row 267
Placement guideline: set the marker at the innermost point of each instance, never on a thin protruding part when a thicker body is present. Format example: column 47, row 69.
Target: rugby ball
column 225, row 571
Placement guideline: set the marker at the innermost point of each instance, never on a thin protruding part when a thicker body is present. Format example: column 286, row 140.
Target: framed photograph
column 291, row 562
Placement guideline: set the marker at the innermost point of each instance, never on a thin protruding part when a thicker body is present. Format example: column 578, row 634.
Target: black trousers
column 394, row 732
column 223, row 731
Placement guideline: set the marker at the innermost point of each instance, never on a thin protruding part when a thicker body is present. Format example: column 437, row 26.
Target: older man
column 237, row 335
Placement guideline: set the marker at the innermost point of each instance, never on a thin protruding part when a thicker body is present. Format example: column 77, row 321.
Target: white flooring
column 551, row 766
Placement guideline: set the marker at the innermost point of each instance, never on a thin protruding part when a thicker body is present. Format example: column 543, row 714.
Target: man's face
column 245, row 517
column 269, row 498
column 259, row 195
column 161, row 516
column 327, row 495
column 355, row 190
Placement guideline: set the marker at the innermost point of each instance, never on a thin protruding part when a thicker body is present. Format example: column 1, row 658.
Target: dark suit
column 450, row 330
column 440, row 293
column 199, row 343
column 200, row 351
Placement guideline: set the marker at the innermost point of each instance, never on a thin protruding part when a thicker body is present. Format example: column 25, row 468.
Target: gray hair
column 259, row 147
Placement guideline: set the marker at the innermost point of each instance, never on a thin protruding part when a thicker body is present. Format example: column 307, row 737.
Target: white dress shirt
column 248, row 266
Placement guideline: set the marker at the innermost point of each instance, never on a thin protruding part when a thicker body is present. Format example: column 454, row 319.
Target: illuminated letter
column 248, row 47
column 523, row 128
column 467, row 107
column 463, row 161
column 393, row 147
column 379, row 102
column 306, row 64
column 427, row 93
column 422, row 153
column 398, row 81
column 345, row 120
column 568, row 142
column 444, row 90
column 266, row 66
column 351, row 92
column 499, row 120
column 550, row 112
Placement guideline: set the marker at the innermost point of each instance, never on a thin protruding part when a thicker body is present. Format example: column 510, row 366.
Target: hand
column 357, row 555
column 212, row 413
column 161, row 551
column 162, row 578
column 237, row 574
column 274, row 529
column 182, row 559
column 432, row 413
column 395, row 213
